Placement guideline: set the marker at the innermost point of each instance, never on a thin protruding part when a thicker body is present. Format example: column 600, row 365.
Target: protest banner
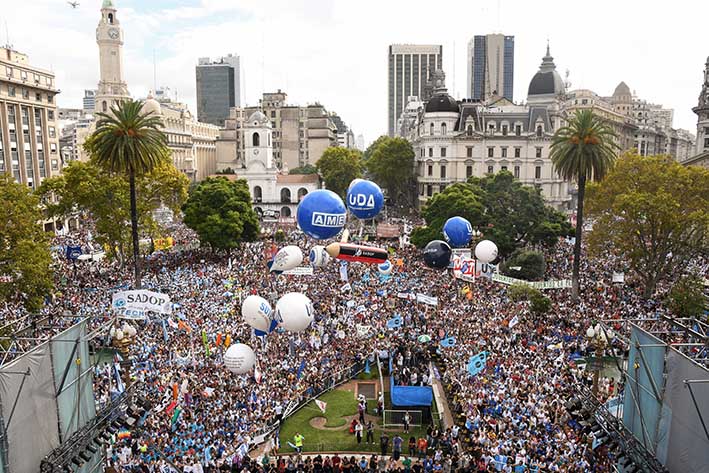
column 551, row 284
column 425, row 299
column 137, row 303
column 300, row 271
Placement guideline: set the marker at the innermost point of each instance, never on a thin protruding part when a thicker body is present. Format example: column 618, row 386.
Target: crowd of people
column 204, row 418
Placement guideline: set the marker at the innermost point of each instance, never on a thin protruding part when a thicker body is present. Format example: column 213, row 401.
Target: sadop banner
column 135, row 304
column 552, row 284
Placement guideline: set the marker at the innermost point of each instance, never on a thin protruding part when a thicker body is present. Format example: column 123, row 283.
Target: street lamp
column 599, row 339
column 122, row 338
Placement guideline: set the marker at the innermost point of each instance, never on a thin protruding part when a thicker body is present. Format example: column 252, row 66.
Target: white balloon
column 486, row 251
column 119, row 334
column 385, row 268
column 257, row 312
column 239, row 358
column 294, row 311
column 287, row 258
column 318, row 256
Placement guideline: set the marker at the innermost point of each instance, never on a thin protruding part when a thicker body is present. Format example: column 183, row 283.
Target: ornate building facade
column 701, row 152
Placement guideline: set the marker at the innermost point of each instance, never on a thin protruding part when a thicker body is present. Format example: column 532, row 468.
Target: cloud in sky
column 335, row 51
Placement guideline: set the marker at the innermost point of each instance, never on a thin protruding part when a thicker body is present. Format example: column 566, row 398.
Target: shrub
column 540, row 304
column 530, row 263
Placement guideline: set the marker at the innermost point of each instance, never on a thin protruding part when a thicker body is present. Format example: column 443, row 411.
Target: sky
column 335, row 51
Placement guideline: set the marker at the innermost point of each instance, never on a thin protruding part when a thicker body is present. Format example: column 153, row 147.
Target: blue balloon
column 364, row 199
column 321, row 214
column 457, row 231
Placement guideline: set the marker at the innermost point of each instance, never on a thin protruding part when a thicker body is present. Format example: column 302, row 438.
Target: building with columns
column 271, row 189
column 29, row 135
column 701, row 152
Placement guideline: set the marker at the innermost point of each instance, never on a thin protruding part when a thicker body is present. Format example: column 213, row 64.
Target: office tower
column 218, row 88
column 29, row 140
column 89, row 104
column 409, row 69
column 491, row 66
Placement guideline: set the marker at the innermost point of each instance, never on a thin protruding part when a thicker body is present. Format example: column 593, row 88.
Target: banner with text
column 135, row 304
column 552, row 284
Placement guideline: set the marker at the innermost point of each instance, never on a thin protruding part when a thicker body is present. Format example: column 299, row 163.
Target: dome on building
column 546, row 81
column 152, row 106
column 258, row 118
column 107, row 4
column 621, row 90
column 442, row 102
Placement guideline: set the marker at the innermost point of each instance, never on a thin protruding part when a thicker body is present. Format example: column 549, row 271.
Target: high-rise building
column 29, row 139
column 89, row 104
column 491, row 62
column 112, row 87
column 218, row 88
column 410, row 66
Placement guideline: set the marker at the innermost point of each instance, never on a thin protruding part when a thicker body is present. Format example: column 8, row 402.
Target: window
column 539, row 152
column 490, row 152
column 468, row 171
column 443, row 172
column 491, row 127
column 517, row 172
column 430, row 170
column 504, row 130
column 490, row 169
column 539, row 131
column 504, row 152
column 429, row 190
column 8, row 71
column 443, row 152
column 104, row 106
column 48, row 80
column 38, row 97
column 518, row 130
column 50, row 114
column 50, row 98
column 36, row 78
column 256, row 139
column 53, row 147
column 518, row 152
column 443, row 128
column 469, row 151
column 431, row 128
column 273, row 114
column 11, row 90
column 430, row 152
column 25, row 94
column 23, row 75
column 504, row 168
column 470, row 130
column 537, row 172
column 584, row 102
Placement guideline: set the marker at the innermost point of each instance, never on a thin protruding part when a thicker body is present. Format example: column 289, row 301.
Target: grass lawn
column 340, row 403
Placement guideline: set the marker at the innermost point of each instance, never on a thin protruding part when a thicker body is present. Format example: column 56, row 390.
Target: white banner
column 135, row 304
column 300, row 271
column 619, row 277
column 424, row 299
column 552, row 284
column 407, row 295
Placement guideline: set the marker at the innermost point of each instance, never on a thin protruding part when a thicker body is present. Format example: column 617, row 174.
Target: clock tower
column 257, row 142
column 112, row 87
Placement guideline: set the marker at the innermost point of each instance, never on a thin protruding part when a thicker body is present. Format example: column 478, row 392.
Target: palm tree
column 582, row 150
column 128, row 141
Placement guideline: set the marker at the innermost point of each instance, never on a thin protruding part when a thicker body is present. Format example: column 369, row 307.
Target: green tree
column 84, row 187
column 391, row 164
column 524, row 264
column 582, row 150
column 129, row 142
column 653, row 213
column 370, row 149
column 338, row 167
column 686, row 298
column 539, row 303
column 307, row 169
column 516, row 214
column 520, row 292
column 220, row 211
column 24, row 246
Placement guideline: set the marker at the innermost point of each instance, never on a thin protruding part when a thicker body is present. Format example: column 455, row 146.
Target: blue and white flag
column 514, row 321
column 299, row 373
column 164, row 330
column 343, row 271
column 476, row 364
column 448, row 342
column 120, row 387
column 396, row 322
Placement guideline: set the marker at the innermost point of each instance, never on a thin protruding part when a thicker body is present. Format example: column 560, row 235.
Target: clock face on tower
column 113, row 33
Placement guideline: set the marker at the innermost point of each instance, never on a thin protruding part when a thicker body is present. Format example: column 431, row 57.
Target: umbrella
column 424, row 338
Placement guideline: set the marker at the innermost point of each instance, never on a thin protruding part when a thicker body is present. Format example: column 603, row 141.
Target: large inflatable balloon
column 294, row 311
column 288, row 257
column 457, row 231
column 486, row 251
column 365, row 199
column 258, row 314
column 239, row 358
column 363, row 254
column 318, row 256
column 321, row 214
column 385, row 268
column 437, row 254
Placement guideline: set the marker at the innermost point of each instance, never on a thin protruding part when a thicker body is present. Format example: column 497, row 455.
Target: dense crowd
column 206, row 419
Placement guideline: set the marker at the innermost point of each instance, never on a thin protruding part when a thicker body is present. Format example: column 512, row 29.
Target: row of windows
column 490, row 170
column 12, row 91
column 23, row 75
column 490, row 152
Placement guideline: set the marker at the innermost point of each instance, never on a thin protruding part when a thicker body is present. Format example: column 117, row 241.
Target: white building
column 270, row 188
column 457, row 140
column 701, row 152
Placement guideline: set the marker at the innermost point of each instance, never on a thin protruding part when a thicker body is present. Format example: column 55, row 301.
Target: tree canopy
column 338, row 167
column 84, row 187
column 24, row 246
column 220, row 211
column 307, row 169
column 653, row 213
column 391, row 164
column 507, row 212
